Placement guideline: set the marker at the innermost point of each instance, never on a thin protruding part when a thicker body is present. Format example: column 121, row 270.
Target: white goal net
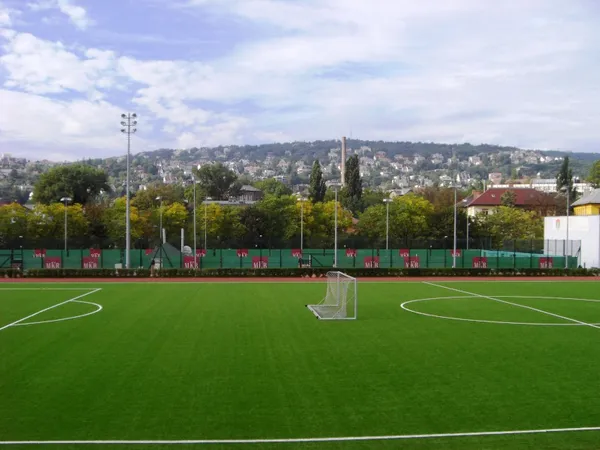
column 340, row 300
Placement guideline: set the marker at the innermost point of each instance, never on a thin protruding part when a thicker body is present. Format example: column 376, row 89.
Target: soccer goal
column 340, row 300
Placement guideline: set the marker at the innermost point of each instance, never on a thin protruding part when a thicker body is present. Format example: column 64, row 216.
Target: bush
column 314, row 272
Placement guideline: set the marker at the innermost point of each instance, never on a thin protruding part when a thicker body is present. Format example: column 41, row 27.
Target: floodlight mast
column 335, row 187
column 129, row 122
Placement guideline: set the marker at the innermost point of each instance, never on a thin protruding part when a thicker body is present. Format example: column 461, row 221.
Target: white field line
column 46, row 289
column 49, row 308
column 97, row 310
column 361, row 280
column 514, row 304
column 302, row 440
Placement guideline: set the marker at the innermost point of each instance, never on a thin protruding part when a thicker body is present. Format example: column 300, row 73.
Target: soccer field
column 247, row 365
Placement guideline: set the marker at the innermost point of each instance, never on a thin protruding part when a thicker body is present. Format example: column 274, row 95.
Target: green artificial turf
column 249, row 361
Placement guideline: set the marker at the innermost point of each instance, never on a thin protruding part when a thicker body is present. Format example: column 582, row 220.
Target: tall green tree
column 80, row 182
column 353, row 190
column 317, row 187
column 564, row 180
column 594, row 176
column 217, row 181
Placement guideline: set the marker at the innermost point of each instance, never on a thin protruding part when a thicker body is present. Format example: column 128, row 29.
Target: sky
column 221, row 72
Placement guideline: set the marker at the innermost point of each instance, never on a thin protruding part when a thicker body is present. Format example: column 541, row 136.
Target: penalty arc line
column 514, row 304
column 97, row 310
column 302, row 440
column 49, row 308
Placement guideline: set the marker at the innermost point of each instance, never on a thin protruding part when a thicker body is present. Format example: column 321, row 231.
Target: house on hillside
column 249, row 194
column 588, row 205
column 524, row 198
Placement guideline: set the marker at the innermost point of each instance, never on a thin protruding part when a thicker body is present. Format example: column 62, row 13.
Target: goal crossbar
column 340, row 300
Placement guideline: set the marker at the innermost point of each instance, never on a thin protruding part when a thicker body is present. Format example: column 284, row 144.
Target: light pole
column 207, row 199
column 160, row 214
column 455, row 217
column 568, row 191
column 301, row 200
column 128, row 124
column 195, row 239
column 468, row 225
column 66, row 201
column 335, row 187
column 387, row 202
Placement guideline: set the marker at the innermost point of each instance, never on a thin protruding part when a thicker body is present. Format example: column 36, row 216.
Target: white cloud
column 76, row 14
column 515, row 73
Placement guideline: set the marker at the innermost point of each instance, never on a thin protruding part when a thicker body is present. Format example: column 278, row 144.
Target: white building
column 585, row 229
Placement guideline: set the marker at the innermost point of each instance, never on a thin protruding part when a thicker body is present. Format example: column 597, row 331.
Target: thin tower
column 343, row 164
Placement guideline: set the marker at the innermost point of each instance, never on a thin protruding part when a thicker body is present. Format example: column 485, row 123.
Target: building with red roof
column 524, row 198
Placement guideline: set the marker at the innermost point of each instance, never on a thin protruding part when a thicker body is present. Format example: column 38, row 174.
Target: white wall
column 584, row 228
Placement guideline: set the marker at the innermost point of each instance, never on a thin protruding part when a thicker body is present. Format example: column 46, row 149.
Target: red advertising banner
column 52, row 262
column 404, row 253
column 371, row 262
column 200, row 252
column 351, row 253
column 260, row 262
column 39, row 253
column 458, row 253
column 412, row 262
column 189, row 262
column 480, row 262
column 242, row 252
column 296, row 253
column 546, row 263
column 95, row 252
column 90, row 262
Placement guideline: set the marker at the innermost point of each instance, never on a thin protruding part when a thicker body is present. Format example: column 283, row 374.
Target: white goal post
column 340, row 300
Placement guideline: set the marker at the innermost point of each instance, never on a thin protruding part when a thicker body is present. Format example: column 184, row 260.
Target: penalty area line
column 16, row 322
column 303, row 440
column 513, row 304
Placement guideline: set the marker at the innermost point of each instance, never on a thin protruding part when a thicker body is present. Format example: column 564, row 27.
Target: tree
column 114, row 221
column 372, row 197
column 508, row 223
column 509, row 198
column 145, row 199
column 317, row 184
column 47, row 221
column 217, row 181
column 174, row 218
column 13, row 223
column 409, row 218
column 321, row 222
column 273, row 187
column 564, row 180
column 352, row 193
column 80, row 182
column 276, row 217
column 594, row 176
